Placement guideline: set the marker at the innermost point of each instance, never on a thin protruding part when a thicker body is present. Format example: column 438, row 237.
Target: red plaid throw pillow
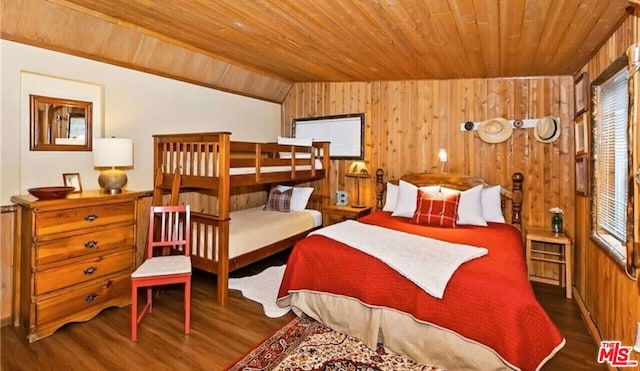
column 437, row 209
column 279, row 200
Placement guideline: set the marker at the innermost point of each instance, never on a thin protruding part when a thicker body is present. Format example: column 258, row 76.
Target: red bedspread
column 488, row 300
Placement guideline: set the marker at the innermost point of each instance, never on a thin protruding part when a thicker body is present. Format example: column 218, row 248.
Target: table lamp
column 358, row 169
column 111, row 153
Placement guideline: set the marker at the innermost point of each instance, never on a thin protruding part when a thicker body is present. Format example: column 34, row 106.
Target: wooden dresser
column 73, row 258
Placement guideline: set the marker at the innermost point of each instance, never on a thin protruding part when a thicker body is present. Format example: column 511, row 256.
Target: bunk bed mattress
column 253, row 228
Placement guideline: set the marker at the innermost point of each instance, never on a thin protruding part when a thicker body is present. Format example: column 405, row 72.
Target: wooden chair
column 175, row 233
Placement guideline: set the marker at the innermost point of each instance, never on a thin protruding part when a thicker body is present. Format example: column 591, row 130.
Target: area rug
column 305, row 344
column 263, row 288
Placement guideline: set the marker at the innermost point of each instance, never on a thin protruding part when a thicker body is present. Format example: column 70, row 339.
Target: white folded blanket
column 427, row 262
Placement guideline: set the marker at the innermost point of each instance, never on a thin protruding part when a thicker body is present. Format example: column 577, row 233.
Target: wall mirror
column 58, row 124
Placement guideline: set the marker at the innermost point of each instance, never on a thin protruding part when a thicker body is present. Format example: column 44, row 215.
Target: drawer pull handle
column 91, row 244
column 90, row 270
column 91, row 217
column 90, row 298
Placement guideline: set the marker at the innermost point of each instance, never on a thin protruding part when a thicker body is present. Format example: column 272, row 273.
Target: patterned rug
column 305, row 344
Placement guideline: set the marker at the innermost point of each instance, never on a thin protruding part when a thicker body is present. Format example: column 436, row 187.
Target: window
column 610, row 162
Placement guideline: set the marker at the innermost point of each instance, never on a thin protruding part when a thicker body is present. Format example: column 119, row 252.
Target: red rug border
column 267, row 338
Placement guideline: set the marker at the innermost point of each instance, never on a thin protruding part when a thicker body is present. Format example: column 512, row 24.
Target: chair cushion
column 163, row 266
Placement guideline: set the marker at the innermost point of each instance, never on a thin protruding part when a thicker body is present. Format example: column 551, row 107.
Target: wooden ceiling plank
column 467, row 26
column 533, row 24
column 487, row 15
column 510, row 35
column 557, row 25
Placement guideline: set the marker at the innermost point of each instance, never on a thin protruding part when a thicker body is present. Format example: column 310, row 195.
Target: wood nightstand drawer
column 335, row 214
column 83, row 244
column 73, row 219
column 82, row 271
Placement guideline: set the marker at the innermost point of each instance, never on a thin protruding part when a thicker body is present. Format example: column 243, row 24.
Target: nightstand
column 563, row 257
column 334, row 214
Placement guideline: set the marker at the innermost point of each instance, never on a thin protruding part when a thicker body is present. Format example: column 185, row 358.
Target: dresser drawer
column 88, row 243
column 82, row 271
column 72, row 219
column 82, row 299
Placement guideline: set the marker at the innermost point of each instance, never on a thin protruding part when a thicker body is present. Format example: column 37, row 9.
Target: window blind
column 610, row 167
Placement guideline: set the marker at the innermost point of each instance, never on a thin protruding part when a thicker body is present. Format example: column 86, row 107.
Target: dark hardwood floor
column 218, row 336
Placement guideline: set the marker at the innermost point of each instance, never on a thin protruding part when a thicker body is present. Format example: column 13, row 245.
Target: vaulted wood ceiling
column 260, row 47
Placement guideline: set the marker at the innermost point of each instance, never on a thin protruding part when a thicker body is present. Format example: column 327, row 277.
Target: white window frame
column 610, row 156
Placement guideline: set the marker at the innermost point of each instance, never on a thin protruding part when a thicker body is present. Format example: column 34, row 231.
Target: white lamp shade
column 112, row 152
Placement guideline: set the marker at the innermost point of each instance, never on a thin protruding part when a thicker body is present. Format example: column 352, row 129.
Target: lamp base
column 112, row 180
column 358, row 206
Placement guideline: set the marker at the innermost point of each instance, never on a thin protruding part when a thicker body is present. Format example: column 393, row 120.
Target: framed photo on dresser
column 72, row 180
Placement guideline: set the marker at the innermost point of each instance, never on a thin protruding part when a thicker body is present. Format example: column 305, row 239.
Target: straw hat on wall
column 495, row 130
column 547, row 130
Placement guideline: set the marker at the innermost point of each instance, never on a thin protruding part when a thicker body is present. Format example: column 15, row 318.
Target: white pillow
column 300, row 198
column 303, row 141
column 470, row 207
column 287, row 155
column 407, row 200
column 492, row 204
column 392, row 197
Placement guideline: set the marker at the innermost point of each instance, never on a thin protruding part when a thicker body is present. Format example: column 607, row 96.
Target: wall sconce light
column 111, row 153
column 358, row 169
column 633, row 57
column 442, row 155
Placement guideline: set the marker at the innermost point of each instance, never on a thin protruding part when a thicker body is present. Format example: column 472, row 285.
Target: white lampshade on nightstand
column 112, row 153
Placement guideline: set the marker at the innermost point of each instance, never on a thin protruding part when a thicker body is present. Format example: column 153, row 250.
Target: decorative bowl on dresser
column 73, row 258
column 50, row 193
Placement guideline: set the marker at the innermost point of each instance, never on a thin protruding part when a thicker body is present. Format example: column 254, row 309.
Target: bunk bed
column 213, row 164
column 485, row 315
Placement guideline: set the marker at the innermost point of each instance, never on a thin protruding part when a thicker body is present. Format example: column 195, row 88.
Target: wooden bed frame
column 207, row 161
column 461, row 182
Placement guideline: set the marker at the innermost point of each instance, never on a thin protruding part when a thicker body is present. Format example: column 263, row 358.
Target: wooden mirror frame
column 43, row 139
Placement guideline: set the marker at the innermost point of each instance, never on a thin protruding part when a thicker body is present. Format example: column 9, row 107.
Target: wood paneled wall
column 408, row 121
column 612, row 299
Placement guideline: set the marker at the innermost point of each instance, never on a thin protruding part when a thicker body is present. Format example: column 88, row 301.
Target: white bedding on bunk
column 271, row 169
column 252, row 228
column 204, row 165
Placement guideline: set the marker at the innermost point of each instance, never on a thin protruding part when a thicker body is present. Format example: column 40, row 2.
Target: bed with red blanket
column 488, row 317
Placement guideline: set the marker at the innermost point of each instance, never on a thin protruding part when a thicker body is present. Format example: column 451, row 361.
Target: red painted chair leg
column 150, row 298
column 187, row 306
column 134, row 312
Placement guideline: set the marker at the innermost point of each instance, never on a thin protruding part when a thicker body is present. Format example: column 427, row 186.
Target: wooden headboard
column 461, row 182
